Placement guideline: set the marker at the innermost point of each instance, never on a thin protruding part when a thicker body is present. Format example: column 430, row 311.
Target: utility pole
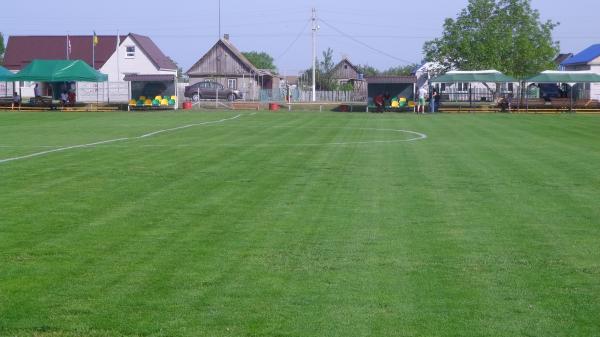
column 315, row 27
column 219, row 19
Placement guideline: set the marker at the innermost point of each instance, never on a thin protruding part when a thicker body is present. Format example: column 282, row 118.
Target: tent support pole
column 571, row 99
column 470, row 98
column 526, row 97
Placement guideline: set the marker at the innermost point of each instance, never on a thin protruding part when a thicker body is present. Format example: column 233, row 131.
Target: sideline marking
column 114, row 140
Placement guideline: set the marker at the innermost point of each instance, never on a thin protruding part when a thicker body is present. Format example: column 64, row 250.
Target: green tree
column 368, row 70
column 261, row 60
column 323, row 72
column 1, row 48
column 506, row 35
column 325, row 69
column 406, row 70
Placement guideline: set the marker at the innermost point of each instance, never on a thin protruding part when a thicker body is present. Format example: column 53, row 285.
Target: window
column 232, row 83
column 462, row 86
column 510, row 87
column 130, row 51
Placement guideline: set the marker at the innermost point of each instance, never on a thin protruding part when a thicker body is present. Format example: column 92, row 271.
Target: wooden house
column 225, row 64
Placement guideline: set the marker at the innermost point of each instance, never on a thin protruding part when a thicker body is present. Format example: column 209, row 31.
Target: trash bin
column 187, row 105
column 273, row 106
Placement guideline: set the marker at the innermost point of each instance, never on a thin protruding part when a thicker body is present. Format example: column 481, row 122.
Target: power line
column 294, row 41
column 366, row 45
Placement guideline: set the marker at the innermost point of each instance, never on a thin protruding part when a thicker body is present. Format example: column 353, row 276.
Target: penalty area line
column 37, row 154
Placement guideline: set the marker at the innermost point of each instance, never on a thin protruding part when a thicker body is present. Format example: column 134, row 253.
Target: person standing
column 37, row 91
column 422, row 94
column 434, row 99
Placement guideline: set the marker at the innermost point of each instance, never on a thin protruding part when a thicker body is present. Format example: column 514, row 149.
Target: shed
column 395, row 86
column 144, row 87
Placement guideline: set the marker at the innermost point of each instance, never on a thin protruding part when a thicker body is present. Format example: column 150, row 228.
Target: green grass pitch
column 299, row 224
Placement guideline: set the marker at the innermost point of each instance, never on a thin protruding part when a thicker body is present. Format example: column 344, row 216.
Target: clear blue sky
column 186, row 29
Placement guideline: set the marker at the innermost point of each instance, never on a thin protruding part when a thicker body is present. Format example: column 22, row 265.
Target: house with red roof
column 116, row 56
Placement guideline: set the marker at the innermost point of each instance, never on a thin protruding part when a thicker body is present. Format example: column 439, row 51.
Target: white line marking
column 61, row 149
column 185, row 127
column 419, row 136
column 113, row 140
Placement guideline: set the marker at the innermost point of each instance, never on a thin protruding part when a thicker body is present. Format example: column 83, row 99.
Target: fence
column 479, row 94
column 305, row 96
column 104, row 92
column 6, row 89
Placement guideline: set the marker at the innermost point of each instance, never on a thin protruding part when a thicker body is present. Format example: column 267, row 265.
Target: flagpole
column 67, row 46
column 118, row 59
column 94, row 50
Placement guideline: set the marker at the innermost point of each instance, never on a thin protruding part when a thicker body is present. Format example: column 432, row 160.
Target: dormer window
column 130, row 52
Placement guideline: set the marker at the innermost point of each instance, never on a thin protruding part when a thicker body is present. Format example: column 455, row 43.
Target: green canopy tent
column 6, row 76
column 59, row 71
column 483, row 76
column 567, row 77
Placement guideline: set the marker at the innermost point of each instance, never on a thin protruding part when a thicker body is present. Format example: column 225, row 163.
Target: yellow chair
column 164, row 102
column 174, row 98
column 411, row 104
column 132, row 102
column 158, row 98
column 142, row 98
column 402, row 102
column 395, row 104
column 147, row 102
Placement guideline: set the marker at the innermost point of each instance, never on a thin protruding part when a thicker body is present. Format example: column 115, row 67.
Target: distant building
column 133, row 54
column 346, row 72
column 225, row 64
column 558, row 60
column 588, row 59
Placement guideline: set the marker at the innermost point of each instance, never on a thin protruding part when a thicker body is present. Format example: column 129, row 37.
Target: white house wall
column 140, row 64
column 595, row 87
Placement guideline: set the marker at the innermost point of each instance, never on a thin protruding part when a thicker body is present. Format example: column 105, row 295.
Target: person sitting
column 379, row 101
column 63, row 98
column 16, row 101
column 71, row 98
column 387, row 100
